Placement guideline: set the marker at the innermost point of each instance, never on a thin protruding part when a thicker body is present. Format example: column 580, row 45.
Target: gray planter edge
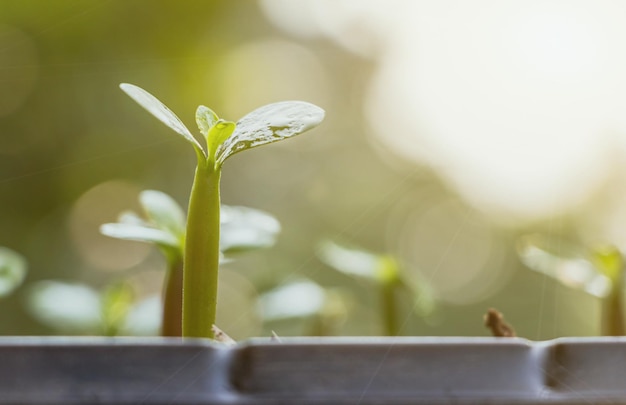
column 348, row 370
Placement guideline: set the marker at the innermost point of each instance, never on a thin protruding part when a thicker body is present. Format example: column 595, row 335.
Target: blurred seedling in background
column 598, row 271
column 163, row 224
column 74, row 308
column 201, row 251
column 13, row 268
column 387, row 276
column 321, row 310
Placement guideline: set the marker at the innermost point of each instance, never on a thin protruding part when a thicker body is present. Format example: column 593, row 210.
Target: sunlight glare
column 510, row 103
column 102, row 204
column 517, row 105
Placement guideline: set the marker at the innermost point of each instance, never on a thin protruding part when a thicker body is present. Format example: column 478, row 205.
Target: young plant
column 598, row 271
column 165, row 227
column 74, row 308
column 321, row 310
column 242, row 229
column 267, row 124
column 386, row 274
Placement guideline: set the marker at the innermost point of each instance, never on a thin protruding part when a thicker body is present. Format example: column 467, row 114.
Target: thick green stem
column 389, row 307
column 612, row 314
column 173, row 300
column 201, row 256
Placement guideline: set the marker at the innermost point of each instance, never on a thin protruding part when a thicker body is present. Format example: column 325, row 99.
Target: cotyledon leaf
column 160, row 111
column 163, row 211
column 131, row 217
column 244, row 229
column 268, row 124
column 300, row 298
column 67, row 307
column 354, row 262
column 140, row 233
column 563, row 262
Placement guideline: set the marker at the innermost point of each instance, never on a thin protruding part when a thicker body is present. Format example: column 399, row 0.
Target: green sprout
column 321, row 310
column 165, row 227
column 387, row 274
column 201, row 257
column 598, row 271
column 75, row 308
column 243, row 229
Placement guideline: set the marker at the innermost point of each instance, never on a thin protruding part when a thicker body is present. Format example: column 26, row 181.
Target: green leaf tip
column 160, row 111
column 218, row 134
column 140, row 233
column 163, row 211
column 350, row 261
column 205, row 118
column 270, row 123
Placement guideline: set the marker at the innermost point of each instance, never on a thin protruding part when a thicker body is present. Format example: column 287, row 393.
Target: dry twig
column 495, row 322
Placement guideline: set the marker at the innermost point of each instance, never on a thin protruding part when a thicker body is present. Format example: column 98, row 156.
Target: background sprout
column 298, row 299
column 243, row 229
column 164, row 224
column 12, row 270
column 267, row 124
column 385, row 272
column 73, row 308
column 598, row 271
column 303, row 299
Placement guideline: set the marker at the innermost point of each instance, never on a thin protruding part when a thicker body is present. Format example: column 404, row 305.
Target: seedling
column 75, row 308
column 598, row 271
column 386, row 273
column 163, row 224
column 223, row 139
column 320, row 309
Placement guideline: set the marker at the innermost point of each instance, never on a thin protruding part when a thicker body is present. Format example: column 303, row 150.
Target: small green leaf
column 132, row 218
column 161, row 112
column 12, row 270
column 268, row 124
column 352, row 262
column 164, row 212
column 563, row 262
column 218, row 134
column 205, row 118
column 298, row 299
column 244, row 229
column 66, row 307
column 382, row 269
column 140, row 233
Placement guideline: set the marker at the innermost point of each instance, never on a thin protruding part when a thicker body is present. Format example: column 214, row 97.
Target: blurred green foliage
column 73, row 153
